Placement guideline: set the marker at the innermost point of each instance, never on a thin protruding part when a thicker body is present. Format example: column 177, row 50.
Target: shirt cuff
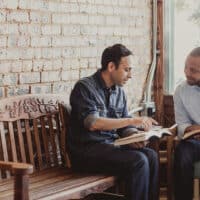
column 181, row 130
column 90, row 120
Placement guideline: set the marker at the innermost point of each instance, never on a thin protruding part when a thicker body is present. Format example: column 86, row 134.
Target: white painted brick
column 88, row 9
column 54, row 6
column 70, row 75
column 78, row 19
column 8, row 29
column 87, row 72
column 3, row 41
column 23, row 41
column 57, row 64
column 41, row 88
column 10, row 79
column 69, row 7
column 88, row 30
column 5, row 67
column 27, row 65
column 67, row 64
column 24, row 4
column 104, row 30
column 71, row 29
column 88, row 52
column 10, row 4
column 29, row 77
column 40, row 5
column 26, row 53
column 61, row 18
column 51, row 30
column 44, row 41
column 113, row 20
column 84, row 63
column 2, row 15
column 17, row 90
column 51, row 53
column 16, row 66
column 51, row 76
column 105, row 10
column 38, row 17
column 71, row 52
column 18, row 16
column 37, row 53
column 62, row 87
column 92, row 63
column 97, row 19
column 38, row 65
column 74, row 63
column 2, row 92
column 13, row 53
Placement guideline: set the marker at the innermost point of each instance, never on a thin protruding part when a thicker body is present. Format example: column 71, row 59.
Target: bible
column 142, row 136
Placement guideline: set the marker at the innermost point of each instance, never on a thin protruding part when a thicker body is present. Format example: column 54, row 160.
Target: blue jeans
column 187, row 153
column 138, row 167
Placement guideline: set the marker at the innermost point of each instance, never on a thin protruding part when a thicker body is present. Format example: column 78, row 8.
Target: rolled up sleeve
column 83, row 105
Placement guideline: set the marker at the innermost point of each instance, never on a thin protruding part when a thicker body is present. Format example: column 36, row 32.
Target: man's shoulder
column 181, row 87
column 86, row 82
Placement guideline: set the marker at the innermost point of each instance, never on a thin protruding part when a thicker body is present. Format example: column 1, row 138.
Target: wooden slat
column 29, row 142
column 37, row 143
column 45, row 140
column 52, row 139
column 21, row 141
column 4, row 146
column 12, row 141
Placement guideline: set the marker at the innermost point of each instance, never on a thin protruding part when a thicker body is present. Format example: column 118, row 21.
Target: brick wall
column 46, row 46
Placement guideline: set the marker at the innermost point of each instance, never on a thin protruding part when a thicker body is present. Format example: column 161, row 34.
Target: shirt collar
column 102, row 82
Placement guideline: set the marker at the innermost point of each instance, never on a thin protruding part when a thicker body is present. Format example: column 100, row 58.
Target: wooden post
column 21, row 187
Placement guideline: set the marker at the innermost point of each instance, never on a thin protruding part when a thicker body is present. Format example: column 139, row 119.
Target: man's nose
column 129, row 74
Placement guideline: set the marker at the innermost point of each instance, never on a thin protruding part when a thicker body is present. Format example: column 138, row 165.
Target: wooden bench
column 32, row 139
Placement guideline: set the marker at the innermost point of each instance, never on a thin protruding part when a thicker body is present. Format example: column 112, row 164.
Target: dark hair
column 195, row 52
column 114, row 54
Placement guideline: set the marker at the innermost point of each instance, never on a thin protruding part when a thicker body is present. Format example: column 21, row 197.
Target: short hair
column 195, row 52
column 114, row 54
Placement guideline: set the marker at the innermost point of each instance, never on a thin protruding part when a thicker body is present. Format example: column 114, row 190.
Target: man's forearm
column 102, row 123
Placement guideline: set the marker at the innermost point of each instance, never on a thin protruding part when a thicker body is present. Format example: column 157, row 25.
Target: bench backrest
column 30, row 131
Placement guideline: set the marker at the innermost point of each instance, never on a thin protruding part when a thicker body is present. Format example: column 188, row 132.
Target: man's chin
column 190, row 82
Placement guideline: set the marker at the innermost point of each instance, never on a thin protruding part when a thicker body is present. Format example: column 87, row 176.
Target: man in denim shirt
column 99, row 116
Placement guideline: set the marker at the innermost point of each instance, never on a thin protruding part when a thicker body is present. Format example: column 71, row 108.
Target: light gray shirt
column 187, row 106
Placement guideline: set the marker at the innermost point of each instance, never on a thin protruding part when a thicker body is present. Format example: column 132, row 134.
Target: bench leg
column 21, row 185
column 196, row 189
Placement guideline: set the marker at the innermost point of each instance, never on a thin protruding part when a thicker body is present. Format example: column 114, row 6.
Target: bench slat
column 29, row 142
column 37, row 143
column 62, row 183
column 21, row 141
column 45, row 140
column 12, row 142
column 4, row 147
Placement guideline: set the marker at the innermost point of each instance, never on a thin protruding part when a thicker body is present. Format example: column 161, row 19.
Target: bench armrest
column 21, row 173
column 17, row 168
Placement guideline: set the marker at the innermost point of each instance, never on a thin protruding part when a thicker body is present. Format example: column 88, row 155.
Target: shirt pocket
column 116, row 112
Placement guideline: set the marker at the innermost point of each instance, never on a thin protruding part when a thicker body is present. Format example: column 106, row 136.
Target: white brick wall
column 46, row 45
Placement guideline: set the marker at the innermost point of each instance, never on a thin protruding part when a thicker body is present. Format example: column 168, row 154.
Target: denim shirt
column 89, row 100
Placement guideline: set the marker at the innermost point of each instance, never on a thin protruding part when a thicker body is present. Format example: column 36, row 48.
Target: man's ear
column 111, row 66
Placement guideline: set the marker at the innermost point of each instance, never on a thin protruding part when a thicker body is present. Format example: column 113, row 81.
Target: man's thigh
column 111, row 159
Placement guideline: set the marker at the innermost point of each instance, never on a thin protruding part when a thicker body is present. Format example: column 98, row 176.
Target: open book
column 190, row 134
column 155, row 132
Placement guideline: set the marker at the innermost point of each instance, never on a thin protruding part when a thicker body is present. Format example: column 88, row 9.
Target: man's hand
column 144, row 123
column 138, row 145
